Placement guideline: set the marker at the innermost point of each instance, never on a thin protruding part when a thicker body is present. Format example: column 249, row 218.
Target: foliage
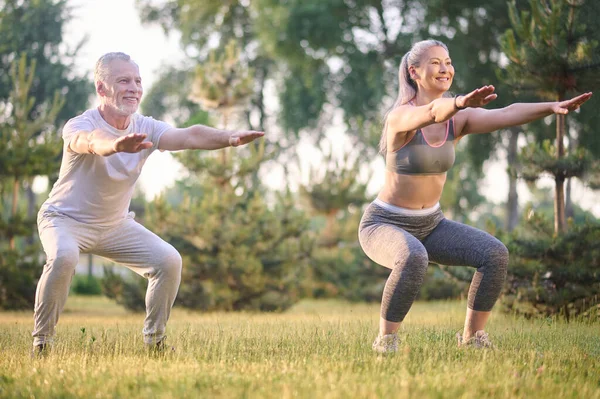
column 86, row 285
column 165, row 98
column 129, row 292
column 29, row 147
column 241, row 249
column 557, row 54
column 38, row 92
column 553, row 53
column 438, row 286
column 538, row 160
column 35, row 28
column 238, row 253
column 26, row 153
column 19, row 269
column 461, row 195
column 208, row 26
column 334, row 197
column 553, row 274
column 222, row 82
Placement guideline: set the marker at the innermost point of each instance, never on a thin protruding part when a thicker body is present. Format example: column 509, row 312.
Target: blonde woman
column 404, row 228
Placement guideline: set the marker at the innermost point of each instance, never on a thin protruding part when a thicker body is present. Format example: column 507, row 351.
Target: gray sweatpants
column 128, row 243
column 406, row 243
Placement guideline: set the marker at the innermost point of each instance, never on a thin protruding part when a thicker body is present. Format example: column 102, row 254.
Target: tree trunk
column 569, row 211
column 560, row 225
column 31, row 208
column 90, row 266
column 13, row 211
column 512, row 203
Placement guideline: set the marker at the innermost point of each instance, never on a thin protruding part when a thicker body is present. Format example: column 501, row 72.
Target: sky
column 114, row 25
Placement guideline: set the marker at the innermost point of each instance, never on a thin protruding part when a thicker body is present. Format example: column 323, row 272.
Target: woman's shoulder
column 399, row 111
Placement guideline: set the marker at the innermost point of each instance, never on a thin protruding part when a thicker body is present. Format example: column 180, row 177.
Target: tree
column 36, row 29
column 29, row 148
column 334, row 197
column 550, row 274
column 554, row 271
column 556, row 56
column 242, row 249
column 209, row 25
column 168, row 97
column 31, row 111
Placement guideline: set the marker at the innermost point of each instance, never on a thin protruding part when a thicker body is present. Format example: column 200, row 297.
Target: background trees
column 318, row 76
column 37, row 93
column 555, row 54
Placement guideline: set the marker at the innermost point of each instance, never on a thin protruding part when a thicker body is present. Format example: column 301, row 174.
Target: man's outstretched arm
column 200, row 137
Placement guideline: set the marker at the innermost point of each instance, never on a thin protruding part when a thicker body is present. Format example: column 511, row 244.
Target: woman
column 404, row 228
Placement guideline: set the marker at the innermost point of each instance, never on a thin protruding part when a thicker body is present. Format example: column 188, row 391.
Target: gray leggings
column 406, row 244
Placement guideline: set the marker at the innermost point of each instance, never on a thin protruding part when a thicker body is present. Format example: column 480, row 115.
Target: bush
column 553, row 275
column 238, row 252
column 439, row 286
column 86, row 285
column 19, row 273
column 130, row 293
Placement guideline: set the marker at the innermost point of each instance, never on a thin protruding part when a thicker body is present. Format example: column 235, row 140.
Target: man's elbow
column 76, row 144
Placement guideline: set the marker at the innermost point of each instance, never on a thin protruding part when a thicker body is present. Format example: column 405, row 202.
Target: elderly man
column 88, row 208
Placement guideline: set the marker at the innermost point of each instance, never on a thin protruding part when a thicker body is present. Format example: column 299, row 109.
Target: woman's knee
column 496, row 258
column 415, row 260
column 499, row 254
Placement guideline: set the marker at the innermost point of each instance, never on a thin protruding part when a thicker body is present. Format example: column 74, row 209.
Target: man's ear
column 100, row 88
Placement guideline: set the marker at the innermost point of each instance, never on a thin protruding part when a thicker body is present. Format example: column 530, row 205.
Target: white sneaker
column 386, row 344
column 480, row 340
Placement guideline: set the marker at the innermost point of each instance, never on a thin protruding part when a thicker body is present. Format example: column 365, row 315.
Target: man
column 87, row 210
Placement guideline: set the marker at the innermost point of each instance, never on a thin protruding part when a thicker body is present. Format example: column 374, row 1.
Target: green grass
column 315, row 350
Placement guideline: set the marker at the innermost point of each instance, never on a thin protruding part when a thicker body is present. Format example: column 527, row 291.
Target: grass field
column 315, row 350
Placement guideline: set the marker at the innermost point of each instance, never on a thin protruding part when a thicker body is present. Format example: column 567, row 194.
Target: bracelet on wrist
column 456, row 105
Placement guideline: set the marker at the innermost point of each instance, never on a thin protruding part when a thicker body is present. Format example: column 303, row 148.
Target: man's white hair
column 101, row 71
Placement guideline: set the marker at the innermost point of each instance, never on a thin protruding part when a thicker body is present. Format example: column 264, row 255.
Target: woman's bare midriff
column 412, row 191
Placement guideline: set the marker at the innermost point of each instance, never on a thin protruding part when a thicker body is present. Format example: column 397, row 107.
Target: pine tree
column 335, row 197
column 29, row 148
column 555, row 57
column 242, row 247
column 552, row 270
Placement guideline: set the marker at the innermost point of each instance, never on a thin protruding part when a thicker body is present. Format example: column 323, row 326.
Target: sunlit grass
column 315, row 350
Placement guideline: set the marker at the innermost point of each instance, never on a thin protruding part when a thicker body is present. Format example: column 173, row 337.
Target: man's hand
column 244, row 137
column 131, row 143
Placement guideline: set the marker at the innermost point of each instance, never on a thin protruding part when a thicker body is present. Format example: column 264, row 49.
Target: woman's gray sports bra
column 418, row 157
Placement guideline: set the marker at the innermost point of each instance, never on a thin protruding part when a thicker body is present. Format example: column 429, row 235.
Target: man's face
column 123, row 87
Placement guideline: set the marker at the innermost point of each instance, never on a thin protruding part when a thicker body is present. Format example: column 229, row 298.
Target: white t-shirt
column 96, row 189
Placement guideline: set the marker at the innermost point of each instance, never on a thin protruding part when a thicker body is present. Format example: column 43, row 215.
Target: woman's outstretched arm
column 479, row 120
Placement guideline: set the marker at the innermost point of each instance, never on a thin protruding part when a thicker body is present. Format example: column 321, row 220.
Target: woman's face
column 435, row 72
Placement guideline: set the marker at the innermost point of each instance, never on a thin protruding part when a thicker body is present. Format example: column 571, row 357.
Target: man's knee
column 64, row 261
column 171, row 261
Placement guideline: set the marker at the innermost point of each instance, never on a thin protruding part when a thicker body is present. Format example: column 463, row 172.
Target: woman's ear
column 412, row 71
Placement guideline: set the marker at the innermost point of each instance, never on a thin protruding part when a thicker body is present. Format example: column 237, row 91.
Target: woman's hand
column 477, row 98
column 564, row 107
